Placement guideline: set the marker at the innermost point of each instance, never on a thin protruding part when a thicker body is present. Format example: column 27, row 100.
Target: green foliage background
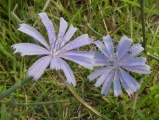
column 97, row 18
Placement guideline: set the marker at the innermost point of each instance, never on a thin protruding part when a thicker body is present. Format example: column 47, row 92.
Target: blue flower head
column 114, row 65
column 58, row 48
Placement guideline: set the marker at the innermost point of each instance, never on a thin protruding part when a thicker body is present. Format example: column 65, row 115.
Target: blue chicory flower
column 57, row 49
column 114, row 65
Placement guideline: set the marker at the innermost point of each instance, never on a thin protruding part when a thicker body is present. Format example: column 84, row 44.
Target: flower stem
column 15, row 17
column 46, row 5
column 144, row 45
column 143, row 23
column 94, row 30
column 136, row 95
column 153, row 57
column 13, row 88
column 40, row 103
column 80, row 99
column 17, row 85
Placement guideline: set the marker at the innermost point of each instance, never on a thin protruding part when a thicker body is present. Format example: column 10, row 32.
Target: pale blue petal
column 133, row 51
column 62, row 29
column 107, row 84
column 130, row 81
column 109, row 45
column 99, row 63
column 134, row 61
column 59, row 64
column 101, row 46
column 98, row 56
column 68, row 73
column 103, row 77
column 126, row 87
column 117, row 86
column 38, row 68
column 97, row 73
column 100, row 60
column 83, row 61
column 49, row 27
column 55, row 64
column 27, row 29
column 29, row 49
column 123, row 47
column 79, row 53
column 80, row 57
column 71, row 31
column 80, row 41
column 141, row 69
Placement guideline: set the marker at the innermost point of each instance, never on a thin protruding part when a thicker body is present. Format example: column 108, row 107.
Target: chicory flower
column 58, row 48
column 114, row 65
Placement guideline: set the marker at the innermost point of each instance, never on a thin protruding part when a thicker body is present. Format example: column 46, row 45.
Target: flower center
column 54, row 50
column 114, row 63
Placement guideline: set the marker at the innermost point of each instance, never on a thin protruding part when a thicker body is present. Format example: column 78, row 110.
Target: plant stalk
column 136, row 96
column 142, row 3
column 144, row 45
column 15, row 17
column 80, row 99
column 13, row 88
column 153, row 57
column 41, row 103
column 17, row 85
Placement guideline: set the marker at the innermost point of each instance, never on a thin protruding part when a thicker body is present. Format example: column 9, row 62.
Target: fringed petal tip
column 63, row 22
column 42, row 13
column 116, row 95
column 21, row 25
column 104, row 94
column 96, row 85
column 69, row 83
column 16, row 50
column 92, row 39
column 106, row 37
column 150, row 72
column 13, row 46
column 129, row 93
column 126, row 38
column 89, row 79
column 133, row 91
column 75, row 29
column 61, row 18
column 33, row 77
